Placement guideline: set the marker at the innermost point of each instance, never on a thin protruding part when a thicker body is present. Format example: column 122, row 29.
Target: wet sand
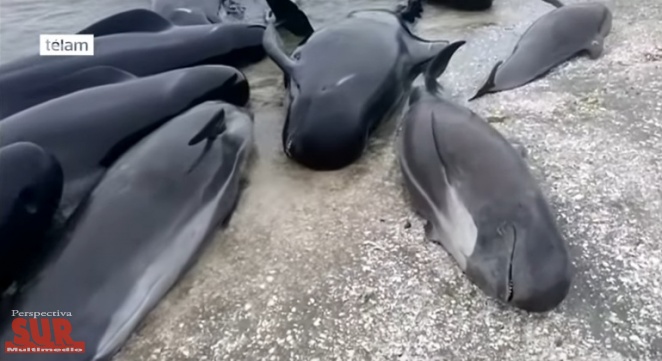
column 334, row 266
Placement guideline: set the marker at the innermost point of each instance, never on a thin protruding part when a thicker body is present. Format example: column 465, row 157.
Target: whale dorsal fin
column 210, row 132
column 555, row 3
column 289, row 16
column 130, row 21
column 489, row 85
column 438, row 65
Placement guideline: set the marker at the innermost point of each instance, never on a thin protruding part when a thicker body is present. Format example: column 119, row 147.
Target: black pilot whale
column 88, row 130
column 141, row 42
column 142, row 228
column 48, row 89
column 481, row 202
column 345, row 79
column 195, row 12
column 31, row 183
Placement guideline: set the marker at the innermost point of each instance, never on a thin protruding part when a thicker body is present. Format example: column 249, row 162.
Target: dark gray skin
column 88, row 130
column 141, row 43
column 195, row 12
column 480, row 200
column 555, row 38
column 41, row 92
column 31, row 183
column 144, row 226
column 344, row 80
column 466, row 5
column 188, row 12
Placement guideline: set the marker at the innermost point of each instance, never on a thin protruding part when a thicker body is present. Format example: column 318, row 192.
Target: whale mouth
column 288, row 147
column 510, row 290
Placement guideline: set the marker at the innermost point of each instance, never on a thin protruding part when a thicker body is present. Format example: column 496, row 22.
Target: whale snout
column 323, row 135
column 321, row 150
column 526, row 267
column 541, row 273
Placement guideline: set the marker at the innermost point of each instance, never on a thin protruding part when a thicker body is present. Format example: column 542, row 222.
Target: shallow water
column 332, row 265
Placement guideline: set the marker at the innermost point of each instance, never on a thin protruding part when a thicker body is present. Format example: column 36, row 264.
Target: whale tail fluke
column 411, row 12
column 289, row 16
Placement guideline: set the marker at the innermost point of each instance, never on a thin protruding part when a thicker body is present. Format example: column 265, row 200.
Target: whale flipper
column 596, row 47
column 130, row 21
column 272, row 44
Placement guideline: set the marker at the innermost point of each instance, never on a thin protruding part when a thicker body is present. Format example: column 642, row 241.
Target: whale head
column 325, row 127
column 521, row 258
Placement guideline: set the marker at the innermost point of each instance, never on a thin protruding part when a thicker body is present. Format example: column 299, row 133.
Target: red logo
column 43, row 335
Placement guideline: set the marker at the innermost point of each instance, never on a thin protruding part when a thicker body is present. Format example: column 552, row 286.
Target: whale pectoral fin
column 489, row 85
column 272, row 44
column 131, row 21
column 596, row 47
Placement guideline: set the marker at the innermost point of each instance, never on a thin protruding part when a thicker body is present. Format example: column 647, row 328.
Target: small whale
column 556, row 37
column 480, row 200
column 345, row 80
column 143, row 227
column 88, row 130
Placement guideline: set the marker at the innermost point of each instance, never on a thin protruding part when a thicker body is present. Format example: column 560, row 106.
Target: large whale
column 345, row 79
column 143, row 227
column 480, row 201
column 554, row 38
column 31, row 182
column 89, row 129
